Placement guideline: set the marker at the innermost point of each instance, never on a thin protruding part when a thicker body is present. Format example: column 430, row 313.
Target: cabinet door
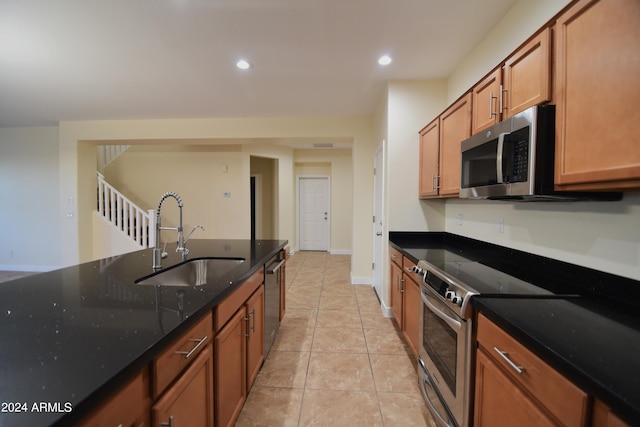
column 188, row 402
column 255, row 335
column 129, row 406
column 486, row 105
column 429, row 160
column 597, row 95
column 455, row 126
column 231, row 369
column 396, row 293
column 499, row 402
column 527, row 75
column 411, row 313
column 603, row 417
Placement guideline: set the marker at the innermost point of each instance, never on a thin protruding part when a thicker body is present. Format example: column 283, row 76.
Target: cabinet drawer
column 395, row 255
column 180, row 353
column 559, row 396
column 232, row 303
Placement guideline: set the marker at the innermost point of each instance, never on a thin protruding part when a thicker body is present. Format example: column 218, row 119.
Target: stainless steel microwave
column 514, row 160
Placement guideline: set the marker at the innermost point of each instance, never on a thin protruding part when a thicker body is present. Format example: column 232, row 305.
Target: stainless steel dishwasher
column 272, row 301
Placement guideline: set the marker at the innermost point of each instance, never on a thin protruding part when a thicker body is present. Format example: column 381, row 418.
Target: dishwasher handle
column 274, row 270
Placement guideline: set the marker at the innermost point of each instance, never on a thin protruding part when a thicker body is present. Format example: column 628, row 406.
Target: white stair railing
column 108, row 153
column 122, row 213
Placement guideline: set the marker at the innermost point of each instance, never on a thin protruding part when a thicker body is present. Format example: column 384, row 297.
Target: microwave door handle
column 499, row 157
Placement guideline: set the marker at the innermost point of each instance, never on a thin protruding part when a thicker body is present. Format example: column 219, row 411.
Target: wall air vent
column 322, row 145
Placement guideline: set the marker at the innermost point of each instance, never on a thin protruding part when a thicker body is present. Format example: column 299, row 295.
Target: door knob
column 379, row 233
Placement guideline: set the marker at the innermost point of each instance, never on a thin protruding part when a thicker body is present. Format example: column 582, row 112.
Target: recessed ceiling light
column 384, row 60
column 243, row 64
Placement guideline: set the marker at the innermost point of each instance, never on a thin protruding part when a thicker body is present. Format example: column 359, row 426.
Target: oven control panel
column 450, row 292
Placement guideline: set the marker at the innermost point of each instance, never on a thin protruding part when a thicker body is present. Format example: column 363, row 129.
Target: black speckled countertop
column 70, row 337
column 592, row 339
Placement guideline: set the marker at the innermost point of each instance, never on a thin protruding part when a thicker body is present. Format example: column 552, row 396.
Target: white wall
column 200, row 175
column 411, row 105
column 77, row 141
column 600, row 235
column 29, row 199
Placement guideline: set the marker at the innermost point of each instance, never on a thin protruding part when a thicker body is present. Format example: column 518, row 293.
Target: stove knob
column 453, row 297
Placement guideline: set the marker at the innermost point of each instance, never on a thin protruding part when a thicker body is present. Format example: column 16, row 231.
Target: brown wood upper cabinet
column 455, row 126
column 429, row 159
column 439, row 161
column 597, row 93
column 521, row 82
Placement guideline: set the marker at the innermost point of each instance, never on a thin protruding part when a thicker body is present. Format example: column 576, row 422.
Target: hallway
column 337, row 360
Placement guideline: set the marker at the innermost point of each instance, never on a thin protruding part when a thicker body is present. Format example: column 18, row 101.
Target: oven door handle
column 441, row 314
column 440, row 419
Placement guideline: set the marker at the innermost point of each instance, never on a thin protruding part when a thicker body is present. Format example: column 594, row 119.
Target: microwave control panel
column 516, row 156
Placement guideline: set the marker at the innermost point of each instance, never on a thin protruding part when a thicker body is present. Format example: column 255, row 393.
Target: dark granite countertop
column 70, row 337
column 593, row 339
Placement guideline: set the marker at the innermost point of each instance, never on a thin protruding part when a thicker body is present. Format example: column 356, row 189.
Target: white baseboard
column 362, row 280
column 340, row 251
column 30, row 268
column 386, row 311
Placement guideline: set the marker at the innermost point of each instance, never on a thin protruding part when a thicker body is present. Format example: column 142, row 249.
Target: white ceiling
column 133, row 59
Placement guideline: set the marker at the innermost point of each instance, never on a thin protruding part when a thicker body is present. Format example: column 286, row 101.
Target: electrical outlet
column 500, row 225
column 459, row 219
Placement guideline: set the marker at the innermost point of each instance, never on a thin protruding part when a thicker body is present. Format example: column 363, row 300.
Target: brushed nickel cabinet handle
column 187, row 354
column 167, row 424
column 504, row 355
column 491, row 98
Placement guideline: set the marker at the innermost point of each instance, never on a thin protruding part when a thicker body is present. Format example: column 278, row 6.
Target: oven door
column 445, row 341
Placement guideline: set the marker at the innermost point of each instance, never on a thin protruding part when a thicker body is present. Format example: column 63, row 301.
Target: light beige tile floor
column 337, row 361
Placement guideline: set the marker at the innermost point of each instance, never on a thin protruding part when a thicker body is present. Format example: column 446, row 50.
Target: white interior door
column 314, row 213
column 378, row 237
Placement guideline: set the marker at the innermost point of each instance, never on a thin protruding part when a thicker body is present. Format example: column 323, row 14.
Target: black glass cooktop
column 484, row 280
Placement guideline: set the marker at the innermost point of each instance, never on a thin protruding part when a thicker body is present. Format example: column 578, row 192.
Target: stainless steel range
column 445, row 367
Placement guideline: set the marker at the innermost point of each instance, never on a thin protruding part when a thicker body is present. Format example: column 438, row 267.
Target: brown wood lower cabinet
column 603, row 417
column 396, row 285
column 255, row 335
column 230, row 370
column 238, row 348
column 197, row 380
column 189, row 401
column 516, row 388
column 129, row 407
column 411, row 308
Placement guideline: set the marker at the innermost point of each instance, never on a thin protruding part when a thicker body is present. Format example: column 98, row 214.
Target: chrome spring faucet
column 158, row 253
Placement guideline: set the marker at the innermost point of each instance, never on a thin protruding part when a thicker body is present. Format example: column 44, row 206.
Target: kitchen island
column 587, row 329
column 70, row 338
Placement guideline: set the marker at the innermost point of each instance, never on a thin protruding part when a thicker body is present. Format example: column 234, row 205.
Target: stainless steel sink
column 196, row 272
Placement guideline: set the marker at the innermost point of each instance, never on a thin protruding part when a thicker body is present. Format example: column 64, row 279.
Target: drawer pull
column 503, row 354
column 188, row 354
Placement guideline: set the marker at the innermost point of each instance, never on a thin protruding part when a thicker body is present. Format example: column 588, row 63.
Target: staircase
column 108, row 153
column 136, row 223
